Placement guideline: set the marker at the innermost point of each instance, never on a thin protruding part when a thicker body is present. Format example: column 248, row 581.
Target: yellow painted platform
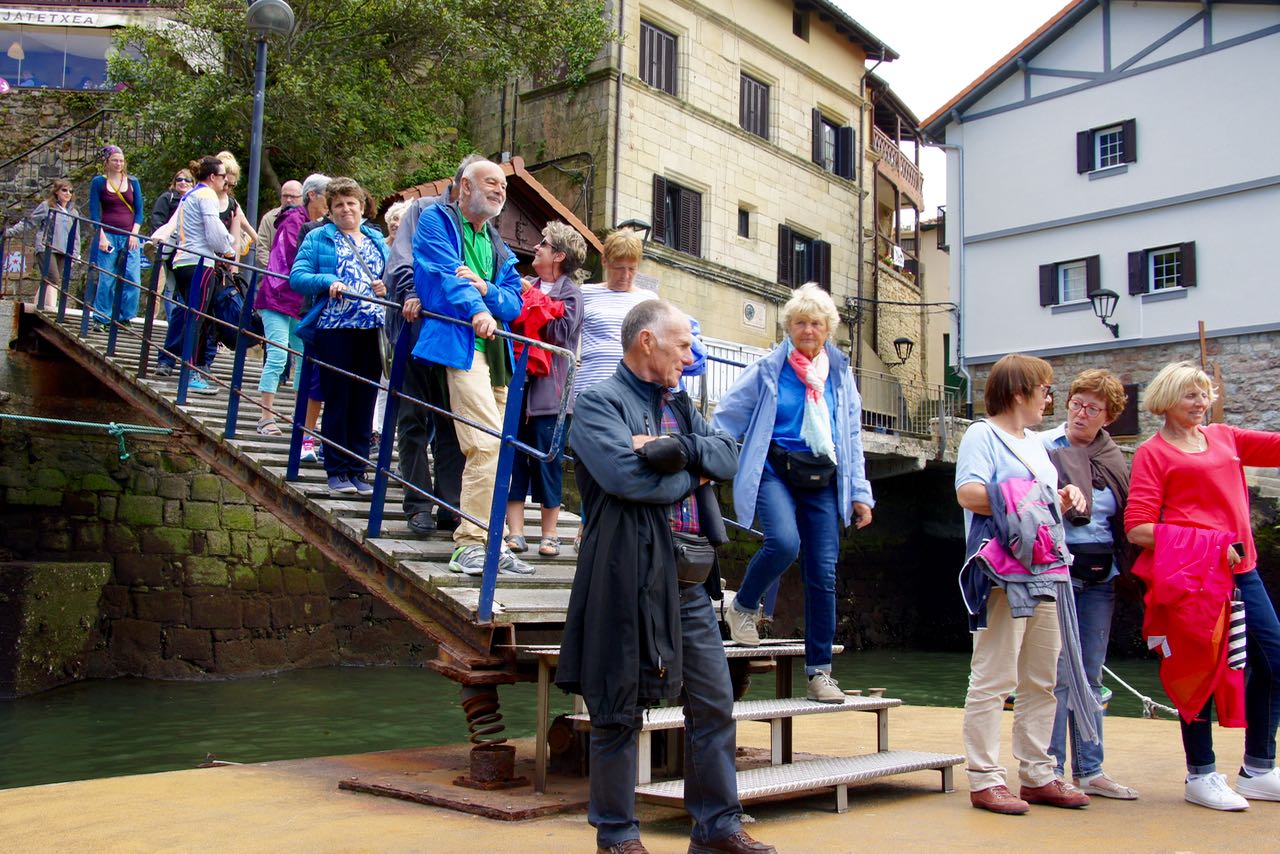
column 296, row 806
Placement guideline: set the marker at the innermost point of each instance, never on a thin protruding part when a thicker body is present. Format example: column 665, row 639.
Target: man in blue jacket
column 463, row 270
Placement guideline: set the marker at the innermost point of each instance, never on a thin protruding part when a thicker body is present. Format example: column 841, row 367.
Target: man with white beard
column 463, row 269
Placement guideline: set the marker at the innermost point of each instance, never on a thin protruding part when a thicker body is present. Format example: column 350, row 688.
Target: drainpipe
column 958, row 242
column 617, row 112
column 862, row 174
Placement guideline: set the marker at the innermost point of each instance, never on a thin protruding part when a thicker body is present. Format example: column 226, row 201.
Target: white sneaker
column 824, row 689
column 1212, row 791
column 742, row 626
column 1262, row 787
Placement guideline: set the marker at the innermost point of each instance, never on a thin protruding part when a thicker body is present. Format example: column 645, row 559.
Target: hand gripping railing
column 197, row 315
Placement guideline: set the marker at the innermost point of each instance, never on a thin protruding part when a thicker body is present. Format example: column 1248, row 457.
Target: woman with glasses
column 53, row 234
column 161, row 213
column 1012, row 651
column 1084, row 455
column 115, row 200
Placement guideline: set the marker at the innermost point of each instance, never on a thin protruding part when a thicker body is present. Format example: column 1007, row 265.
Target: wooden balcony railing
column 898, row 164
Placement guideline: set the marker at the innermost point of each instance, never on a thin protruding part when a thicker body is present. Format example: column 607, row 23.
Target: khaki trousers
column 472, row 396
column 1011, row 654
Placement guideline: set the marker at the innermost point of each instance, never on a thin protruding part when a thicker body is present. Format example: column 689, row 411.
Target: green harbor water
column 133, row 726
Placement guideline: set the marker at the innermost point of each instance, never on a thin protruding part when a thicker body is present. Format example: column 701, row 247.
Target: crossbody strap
column 1012, row 450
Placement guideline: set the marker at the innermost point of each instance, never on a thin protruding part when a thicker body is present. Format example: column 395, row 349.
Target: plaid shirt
column 683, row 515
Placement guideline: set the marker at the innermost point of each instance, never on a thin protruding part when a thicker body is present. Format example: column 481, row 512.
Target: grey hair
column 395, row 213
column 648, row 315
column 465, row 163
column 314, row 183
column 565, row 238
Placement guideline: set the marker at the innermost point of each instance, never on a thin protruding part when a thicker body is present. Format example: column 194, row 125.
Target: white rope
column 1149, row 706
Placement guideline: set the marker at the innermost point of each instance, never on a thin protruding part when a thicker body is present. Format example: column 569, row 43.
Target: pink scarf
column 815, row 428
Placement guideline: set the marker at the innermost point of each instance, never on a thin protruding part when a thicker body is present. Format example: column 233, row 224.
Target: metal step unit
column 810, row 775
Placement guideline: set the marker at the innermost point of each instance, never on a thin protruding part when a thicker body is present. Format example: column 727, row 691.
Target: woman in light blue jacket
column 801, row 473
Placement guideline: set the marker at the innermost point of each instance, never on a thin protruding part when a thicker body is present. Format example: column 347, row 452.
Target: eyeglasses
column 547, row 243
column 291, row 195
column 1088, row 409
column 181, row 180
column 1047, row 390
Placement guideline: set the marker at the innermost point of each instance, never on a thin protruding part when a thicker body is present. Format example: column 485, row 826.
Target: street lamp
column 264, row 18
column 903, row 347
column 1104, row 305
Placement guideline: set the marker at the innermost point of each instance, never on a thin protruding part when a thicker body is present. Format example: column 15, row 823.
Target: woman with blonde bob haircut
column 1190, row 475
column 801, row 473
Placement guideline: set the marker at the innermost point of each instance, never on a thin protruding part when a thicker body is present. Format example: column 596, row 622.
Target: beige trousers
column 1012, row 653
column 472, row 396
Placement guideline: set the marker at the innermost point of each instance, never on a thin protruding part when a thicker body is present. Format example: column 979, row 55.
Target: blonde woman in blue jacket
column 801, row 473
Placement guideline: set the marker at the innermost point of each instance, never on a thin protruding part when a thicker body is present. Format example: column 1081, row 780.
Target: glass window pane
column 43, row 50
column 1072, row 280
column 11, row 41
column 87, row 59
column 1110, row 147
column 1166, row 268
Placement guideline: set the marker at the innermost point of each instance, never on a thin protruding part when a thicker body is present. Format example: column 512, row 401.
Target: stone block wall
column 27, row 118
column 202, row 583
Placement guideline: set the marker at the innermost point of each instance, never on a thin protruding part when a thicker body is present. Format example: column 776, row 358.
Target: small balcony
column 897, row 166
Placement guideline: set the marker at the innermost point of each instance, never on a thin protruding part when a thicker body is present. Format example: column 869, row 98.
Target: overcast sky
column 944, row 45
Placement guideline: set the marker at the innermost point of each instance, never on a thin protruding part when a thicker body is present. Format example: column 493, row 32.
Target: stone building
column 1076, row 181
column 741, row 135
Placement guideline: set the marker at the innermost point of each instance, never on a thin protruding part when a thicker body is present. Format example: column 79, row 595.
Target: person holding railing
column 52, row 234
column 346, row 256
column 799, row 416
column 463, row 270
column 201, row 238
column 552, row 313
column 115, row 199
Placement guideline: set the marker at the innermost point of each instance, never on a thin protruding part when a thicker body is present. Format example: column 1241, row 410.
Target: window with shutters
column 1162, row 268
column 802, row 259
column 657, row 57
column 753, row 106
column 833, row 145
column 1107, row 147
column 1070, row 281
column 677, row 216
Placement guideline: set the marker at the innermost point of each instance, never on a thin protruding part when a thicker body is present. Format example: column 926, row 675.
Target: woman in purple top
column 115, row 200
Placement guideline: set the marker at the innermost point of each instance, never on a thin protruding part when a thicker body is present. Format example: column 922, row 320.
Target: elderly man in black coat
column 641, row 627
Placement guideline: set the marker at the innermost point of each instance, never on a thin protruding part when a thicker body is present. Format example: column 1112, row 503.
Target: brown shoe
column 626, row 846
column 998, row 799
column 739, row 843
column 1056, row 793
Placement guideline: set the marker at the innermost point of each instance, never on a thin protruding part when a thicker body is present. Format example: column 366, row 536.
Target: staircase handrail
column 57, row 136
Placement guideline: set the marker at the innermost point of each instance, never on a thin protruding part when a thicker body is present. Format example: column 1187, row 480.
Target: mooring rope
column 1149, row 706
column 113, row 429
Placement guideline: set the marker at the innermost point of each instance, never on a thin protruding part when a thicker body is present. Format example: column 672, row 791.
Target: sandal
column 268, row 427
column 517, row 544
column 550, row 547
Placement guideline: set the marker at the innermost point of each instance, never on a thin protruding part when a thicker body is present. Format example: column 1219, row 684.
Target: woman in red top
column 1191, row 474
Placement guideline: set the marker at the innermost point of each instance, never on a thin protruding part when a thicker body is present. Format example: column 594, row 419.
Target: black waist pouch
column 1092, row 564
column 695, row 557
column 801, row 469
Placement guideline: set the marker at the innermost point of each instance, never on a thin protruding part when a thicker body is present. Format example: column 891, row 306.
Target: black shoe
column 421, row 522
column 446, row 520
column 163, row 371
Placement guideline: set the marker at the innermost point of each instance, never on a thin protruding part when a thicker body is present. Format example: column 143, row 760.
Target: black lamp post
column 1104, row 305
column 903, row 347
column 265, row 18
column 637, row 225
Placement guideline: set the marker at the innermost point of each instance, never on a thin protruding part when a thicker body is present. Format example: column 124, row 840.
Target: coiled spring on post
column 480, row 705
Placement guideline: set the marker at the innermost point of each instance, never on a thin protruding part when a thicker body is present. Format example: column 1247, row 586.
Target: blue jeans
column 278, row 328
column 105, row 292
column 1261, row 688
column 791, row 518
column 544, row 482
column 1095, row 603
column 710, row 742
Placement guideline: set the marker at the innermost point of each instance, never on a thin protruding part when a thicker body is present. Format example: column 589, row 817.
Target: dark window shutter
column 669, row 65
column 822, row 264
column 785, row 256
column 659, row 209
column 1138, row 272
column 844, row 152
column 1092, row 274
column 1084, row 151
column 817, row 137
column 1126, row 424
column 1187, row 260
column 1129, row 130
column 690, row 233
column 1048, row 284
column 744, row 102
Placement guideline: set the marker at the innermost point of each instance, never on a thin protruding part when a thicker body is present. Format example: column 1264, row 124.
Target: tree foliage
column 368, row 88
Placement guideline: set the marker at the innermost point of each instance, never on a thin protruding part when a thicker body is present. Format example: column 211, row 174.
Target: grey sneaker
column 824, row 689
column 509, row 564
column 742, row 626
column 468, row 560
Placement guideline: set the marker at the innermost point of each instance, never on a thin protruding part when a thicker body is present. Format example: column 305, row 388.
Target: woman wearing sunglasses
column 161, row 212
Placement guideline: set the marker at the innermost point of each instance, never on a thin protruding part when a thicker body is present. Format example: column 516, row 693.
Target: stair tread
column 672, row 717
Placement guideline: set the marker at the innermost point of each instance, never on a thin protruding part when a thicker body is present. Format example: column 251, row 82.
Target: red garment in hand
column 1188, row 606
column 539, row 310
